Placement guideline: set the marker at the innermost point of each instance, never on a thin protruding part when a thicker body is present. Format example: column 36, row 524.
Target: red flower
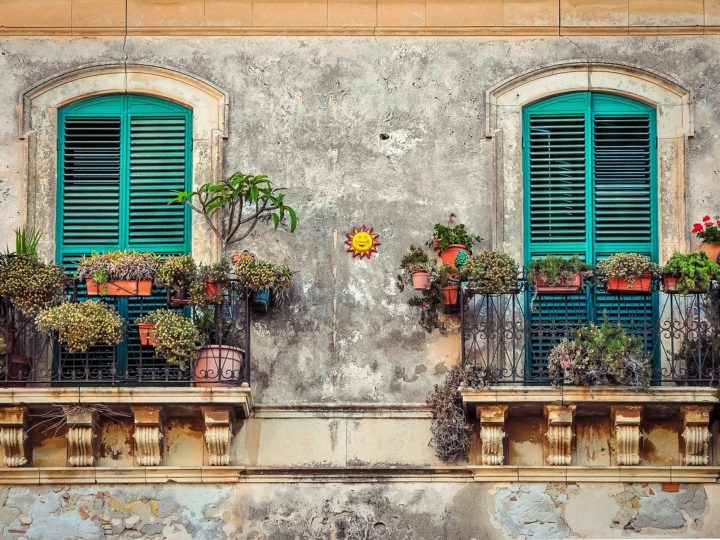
column 708, row 224
column 706, row 218
column 718, row 221
column 697, row 228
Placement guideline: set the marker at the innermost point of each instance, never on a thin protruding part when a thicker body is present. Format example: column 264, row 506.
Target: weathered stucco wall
column 422, row 510
column 309, row 112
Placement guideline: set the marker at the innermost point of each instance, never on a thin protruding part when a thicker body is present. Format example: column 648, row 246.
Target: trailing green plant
column 79, row 325
column 693, row 270
column 30, row 285
column 491, row 272
column 233, row 206
column 628, row 266
column 124, row 264
column 414, row 260
column 600, row 355
column 557, row 271
column 445, row 235
column 176, row 336
column 177, row 272
column 429, row 301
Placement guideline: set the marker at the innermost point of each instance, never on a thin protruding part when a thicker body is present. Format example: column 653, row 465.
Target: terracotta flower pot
column 420, row 280
column 641, row 285
column 669, row 285
column 448, row 256
column 219, row 365
column 147, row 334
column 572, row 287
column 711, row 250
column 450, row 295
column 119, row 287
column 212, row 289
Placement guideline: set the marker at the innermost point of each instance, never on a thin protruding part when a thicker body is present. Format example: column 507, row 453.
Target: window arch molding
column 504, row 109
column 37, row 117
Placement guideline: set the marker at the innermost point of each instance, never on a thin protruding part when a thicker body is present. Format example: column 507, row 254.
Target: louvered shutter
column 589, row 178
column 122, row 157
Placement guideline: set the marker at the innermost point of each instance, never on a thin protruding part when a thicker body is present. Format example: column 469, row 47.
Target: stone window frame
column 37, row 117
column 504, row 106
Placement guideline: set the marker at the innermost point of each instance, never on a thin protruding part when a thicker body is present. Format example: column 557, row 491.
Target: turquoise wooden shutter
column 589, row 172
column 120, row 158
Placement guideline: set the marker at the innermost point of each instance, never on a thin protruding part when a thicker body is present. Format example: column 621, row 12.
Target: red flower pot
column 420, row 280
column 450, row 295
column 119, row 287
column 572, row 287
column 448, row 256
column 641, row 285
column 711, row 250
column 147, row 333
column 669, row 285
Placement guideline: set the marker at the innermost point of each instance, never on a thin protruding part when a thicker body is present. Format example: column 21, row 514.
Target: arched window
column 119, row 159
column 590, row 184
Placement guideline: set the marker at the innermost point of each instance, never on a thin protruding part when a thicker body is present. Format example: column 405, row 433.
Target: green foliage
column 627, row 266
column 491, row 272
column 242, row 200
column 414, row 260
column 429, row 301
column 79, row 325
column 177, row 272
column 176, row 336
column 557, row 271
column 694, row 270
column 461, row 259
column 26, row 242
column 453, row 234
column 257, row 274
column 124, row 264
column 600, row 355
column 30, row 285
column 214, row 273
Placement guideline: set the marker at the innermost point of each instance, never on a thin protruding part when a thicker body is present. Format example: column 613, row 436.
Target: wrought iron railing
column 35, row 358
column 506, row 337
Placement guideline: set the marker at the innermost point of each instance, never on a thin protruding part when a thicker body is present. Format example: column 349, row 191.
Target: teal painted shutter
column 121, row 157
column 589, row 168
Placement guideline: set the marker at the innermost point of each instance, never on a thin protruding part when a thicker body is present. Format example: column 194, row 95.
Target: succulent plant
column 256, row 274
column 30, row 285
column 79, row 325
column 176, row 337
column 125, row 264
column 216, row 273
column 491, row 272
column 177, row 272
column 557, row 271
column 693, row 270
column 628, row 266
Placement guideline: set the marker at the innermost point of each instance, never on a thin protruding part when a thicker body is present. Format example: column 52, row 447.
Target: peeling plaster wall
column 309, row 112
column 362, row 511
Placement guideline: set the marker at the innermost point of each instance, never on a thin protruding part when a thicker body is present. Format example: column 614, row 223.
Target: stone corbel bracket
column 148, row 435
column 559, row 433
column 696, row 433
column 218, row 433
column 81, row 436
column 626, row 419
column 13, row 433
column 492, row 433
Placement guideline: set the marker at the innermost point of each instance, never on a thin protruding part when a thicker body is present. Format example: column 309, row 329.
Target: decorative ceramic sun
column 362, row 242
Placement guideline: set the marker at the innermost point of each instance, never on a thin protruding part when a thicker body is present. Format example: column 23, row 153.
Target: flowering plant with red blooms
column 709, row 230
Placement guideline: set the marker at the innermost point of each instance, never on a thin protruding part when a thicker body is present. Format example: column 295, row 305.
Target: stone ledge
column 252, row 475
column 240, row 398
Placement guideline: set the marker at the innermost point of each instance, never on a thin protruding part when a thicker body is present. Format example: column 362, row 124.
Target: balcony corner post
column 81, row 436
column 626, row 419
column 696, row 434
column 559, row 433
column 492, row 433
column 148, row 434
column 13, row 434
column 218, row 433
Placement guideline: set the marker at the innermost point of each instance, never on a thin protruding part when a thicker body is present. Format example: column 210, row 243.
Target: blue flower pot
column 261, row 300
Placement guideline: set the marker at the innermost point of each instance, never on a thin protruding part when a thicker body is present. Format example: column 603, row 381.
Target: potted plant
column 146, row 330
column 555, row 274
column 627, row 273
column 175, row 337
column 214, row 277
column 416, row 264
column 709, row 234
column 177, row 273
column 491, row 272
column 599, row 355
column 262, row 278
column 79, row 325
column 118, row 273
column 446, row 280
column 283, row 280
column 689, row 273
column 449, row 240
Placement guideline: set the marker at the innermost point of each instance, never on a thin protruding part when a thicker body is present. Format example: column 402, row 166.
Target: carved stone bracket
column 81, row 436
column 696, row 433
column 559, row 433
column 492, row 432
column 218, row 433
column 627, row 433
column 148, row 435
column 13, row 423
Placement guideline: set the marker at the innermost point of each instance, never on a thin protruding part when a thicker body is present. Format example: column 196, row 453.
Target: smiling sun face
column 362, row 242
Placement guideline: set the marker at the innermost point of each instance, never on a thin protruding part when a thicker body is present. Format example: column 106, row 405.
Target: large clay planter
column 420, row 280
column 669, row 285
column 641, row 285
column 572, row 287
column 146, row 332
column 711, row 250
column 450, row 295
column 219, row 365
column 448, row 256
column 119, row 287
